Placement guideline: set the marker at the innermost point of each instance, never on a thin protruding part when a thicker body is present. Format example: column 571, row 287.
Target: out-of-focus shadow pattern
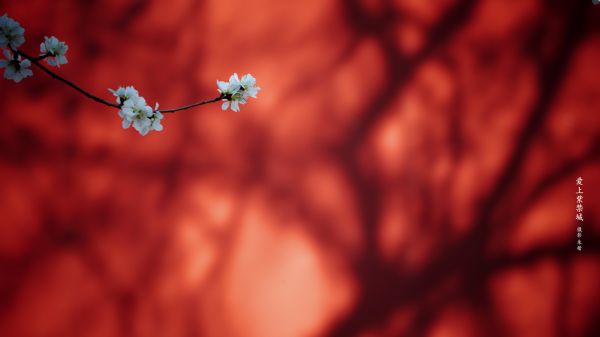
column 408, row 170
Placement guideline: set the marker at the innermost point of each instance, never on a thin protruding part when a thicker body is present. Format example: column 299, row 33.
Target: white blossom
column 55, row 49
column 134, row 111
column 156, row 118
column 11, row 33
column 236, row 91
column 124, row 93
column 16, row 68
column 249, row 87
column 228, row 90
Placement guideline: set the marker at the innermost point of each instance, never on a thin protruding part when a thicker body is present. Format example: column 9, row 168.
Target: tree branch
column 216, row 99
column 37, row 63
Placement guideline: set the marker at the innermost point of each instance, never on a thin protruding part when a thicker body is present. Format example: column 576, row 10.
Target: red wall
column 408, row 169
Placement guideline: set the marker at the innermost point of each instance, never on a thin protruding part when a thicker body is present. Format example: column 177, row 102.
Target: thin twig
column 67, row 82
column 41, row 57
column 216, row 99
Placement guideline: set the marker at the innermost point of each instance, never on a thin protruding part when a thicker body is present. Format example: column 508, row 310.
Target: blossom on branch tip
column 16, row 68
column 55, row 50
column 11, row 33
column 249, row 87
column 228, row 90
column 236, row 91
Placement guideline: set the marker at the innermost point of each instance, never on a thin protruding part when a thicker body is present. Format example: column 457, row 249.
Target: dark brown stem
column 41, row 57
column 216, row 99
column 67, row 82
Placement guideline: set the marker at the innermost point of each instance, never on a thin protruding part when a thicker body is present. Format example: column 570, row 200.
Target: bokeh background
column 408, row 170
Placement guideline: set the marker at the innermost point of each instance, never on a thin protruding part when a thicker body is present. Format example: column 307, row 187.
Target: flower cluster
column 54, row 50
column 132, row 107
column 12, row 36
column 16, row 69
column 236, row 91
column 135, row 111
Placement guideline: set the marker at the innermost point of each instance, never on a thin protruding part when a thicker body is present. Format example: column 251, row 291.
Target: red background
column 407, row 170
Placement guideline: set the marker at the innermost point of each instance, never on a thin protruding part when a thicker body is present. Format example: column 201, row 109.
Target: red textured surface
column 408, row 170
